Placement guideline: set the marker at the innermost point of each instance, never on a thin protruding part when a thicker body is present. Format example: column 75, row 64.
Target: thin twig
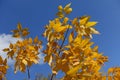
column 61, row 47
column 64, row 39
column 28, row 71
column 52, row 76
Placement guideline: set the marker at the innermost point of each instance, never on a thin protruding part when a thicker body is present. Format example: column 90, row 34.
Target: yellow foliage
column 68, row 48
column 24, row 52
column 76, row 58
column 3, row 67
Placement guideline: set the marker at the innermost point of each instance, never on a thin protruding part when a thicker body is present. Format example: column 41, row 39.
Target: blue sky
column 35, row 14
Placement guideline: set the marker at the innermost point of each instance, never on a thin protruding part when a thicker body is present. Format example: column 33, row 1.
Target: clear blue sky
column 36, row 13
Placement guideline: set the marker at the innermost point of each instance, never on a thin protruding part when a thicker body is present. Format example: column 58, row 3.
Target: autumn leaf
column 59, row 28
column 1, row 61
column 19, row 27
column 84, row 20
column 67, row 7
column 90, row 24
column 6, row 49
column 60, row 8
column 11, row 46
column 70, row 38
column 36, row 39
column 74, row 70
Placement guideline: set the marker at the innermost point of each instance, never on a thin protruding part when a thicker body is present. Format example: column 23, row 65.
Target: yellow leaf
column 85, row 42
column 50, row 60
column 30, row 41
column 67, row 7
column 1, row 61
column 10, row 54
column 25, row 32
column 6, row 49
column 110, row 70
column 22, row 67
column 104, row 77
column 35, row 61
column 84, row 20
column 16, row 67
column 36, row 39
column 78, row 39
column 59, row 28
column 24, row 43
column 16, row 35
column 60, row 8
column 51, row 37
column 94, row 31
column 87, row 51
column 5, row 62
column 74, row 70
column 31, row 47
column 45, row 34
column 74, row 21
column 95, row 48
column 90, row 24
column 110, row 78
column 97, row 68
column 29, row 63
column 4, row 70
column 24, row 61
column 65, row 20
column 70, row 38
column 68, row 11
column 60, row 14
column 11, row 46
column 19, row 27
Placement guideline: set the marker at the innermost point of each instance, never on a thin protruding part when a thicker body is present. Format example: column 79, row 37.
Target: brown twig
column 28, row 71
column 64, row 39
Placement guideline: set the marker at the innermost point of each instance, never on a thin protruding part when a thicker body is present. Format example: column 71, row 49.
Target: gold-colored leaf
column 65, row 20
column 110, row 70
column 1, row 60
column 36, row 39
column 74, row 70
column 24, row 61
column 68, row 11
column 6, row 49
column 25, row 32
column 11, row 46
column 84, row 20
column 16, row 35
column 90, row 24
column 31, row 47
column 10, row 54
column 70, row 38
column 5, row 62
column 22, row 67
column 95, row 48
column 19, row 27
column 59, row 28
column 60, row 8
column 74, row 21
column 30, row 40
column 94, row 31
column 60, row 14
column 67, row 6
